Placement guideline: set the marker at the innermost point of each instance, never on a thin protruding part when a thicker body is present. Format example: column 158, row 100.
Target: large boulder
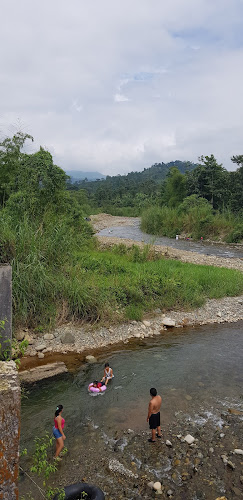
column 68, row 338
column 168, row 322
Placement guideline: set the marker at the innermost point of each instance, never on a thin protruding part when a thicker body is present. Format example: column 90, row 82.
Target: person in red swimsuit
column 58, row 431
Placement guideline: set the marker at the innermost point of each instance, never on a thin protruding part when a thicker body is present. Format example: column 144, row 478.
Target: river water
column 197, row 371
column 134, row 233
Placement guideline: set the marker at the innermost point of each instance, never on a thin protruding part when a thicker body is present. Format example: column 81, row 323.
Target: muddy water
column 134, row 233
column 197, row 371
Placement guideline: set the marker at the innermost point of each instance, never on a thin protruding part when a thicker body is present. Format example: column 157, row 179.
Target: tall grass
column 195, row 221
column 59, row 275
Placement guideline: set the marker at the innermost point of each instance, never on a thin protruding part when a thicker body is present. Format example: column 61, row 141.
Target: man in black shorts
column 154, row 415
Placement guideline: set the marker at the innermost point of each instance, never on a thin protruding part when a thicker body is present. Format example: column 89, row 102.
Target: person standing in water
column 154, row 415
column 58, row 431
column 108, row 374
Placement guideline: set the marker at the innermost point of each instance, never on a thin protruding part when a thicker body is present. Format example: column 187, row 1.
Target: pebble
column 91, row 359
column 189, row 439
column 157, row 486
column 168, row 322
column 40, row 347
column 146, row 323
column 169, row 493
column 41, row 355
column 49, row 336
column 237, row 451
column 168, row 443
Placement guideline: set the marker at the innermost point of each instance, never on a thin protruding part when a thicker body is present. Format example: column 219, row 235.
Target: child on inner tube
column 97, row 385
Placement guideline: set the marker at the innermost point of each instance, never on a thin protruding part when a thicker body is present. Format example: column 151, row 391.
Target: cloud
column 115, row 88
column 120, row 98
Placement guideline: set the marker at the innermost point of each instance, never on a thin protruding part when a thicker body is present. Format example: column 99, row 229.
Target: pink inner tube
column 95, row 389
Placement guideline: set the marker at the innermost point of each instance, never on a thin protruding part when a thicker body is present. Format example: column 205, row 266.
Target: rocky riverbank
column 199, row 457
column 87, row 340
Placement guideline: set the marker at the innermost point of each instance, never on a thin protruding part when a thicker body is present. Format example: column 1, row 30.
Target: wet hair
column 95, row 382
column 106, row 365
column 153, row 392
column 59, row 408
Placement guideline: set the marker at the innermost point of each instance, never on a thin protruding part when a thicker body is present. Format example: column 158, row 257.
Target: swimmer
column 108, row 374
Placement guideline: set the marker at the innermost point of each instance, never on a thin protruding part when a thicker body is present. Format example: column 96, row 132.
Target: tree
column 10, row 160
column 174, row 188
column 210, row 181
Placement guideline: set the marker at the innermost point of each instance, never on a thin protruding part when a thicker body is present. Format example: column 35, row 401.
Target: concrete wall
column 5, row 309
column 9, row 430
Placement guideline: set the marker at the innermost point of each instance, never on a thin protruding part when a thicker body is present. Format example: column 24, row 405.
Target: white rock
column 40, row 347
column 41, row 355
column 157, row 486
column 237, row 451
column 168, row 443
column 221, row 435
column 91, row 359
column 168, row 322
column 146, row 323
column 169, row 493
column 137, row 335
column 48, row 336
column 219, row 314
column 189, row 439
column 211, row 450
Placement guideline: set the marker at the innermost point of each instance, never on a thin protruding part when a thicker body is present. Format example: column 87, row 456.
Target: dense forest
column 201, row 199
column 59, row 272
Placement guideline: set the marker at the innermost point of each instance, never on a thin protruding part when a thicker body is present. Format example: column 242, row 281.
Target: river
column 133, row 232
column 198, row 372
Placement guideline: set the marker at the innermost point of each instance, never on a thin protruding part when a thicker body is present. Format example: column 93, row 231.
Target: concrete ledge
column 9, row 430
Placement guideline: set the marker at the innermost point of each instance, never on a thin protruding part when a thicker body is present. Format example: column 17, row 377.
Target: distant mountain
column 77, row 175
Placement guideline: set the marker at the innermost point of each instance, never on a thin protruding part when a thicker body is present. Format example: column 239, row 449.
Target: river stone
column 189, row 439
column 168, row 443
column 68, row 338
column 188, row 398
column 40, row 347
column 91, row 359
column 233, row 411
column 41, row 372
column 146, row 323
column 20, row 336
column 41, row 355
column 237, row 451
column 150, row 485
column 236, row 491
column 157, row 486
column 168, row 322
column 48, row 336
column 169, row 493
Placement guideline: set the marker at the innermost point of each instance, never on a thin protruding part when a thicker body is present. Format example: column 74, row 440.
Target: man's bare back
column 154, row 414
column 155, row 404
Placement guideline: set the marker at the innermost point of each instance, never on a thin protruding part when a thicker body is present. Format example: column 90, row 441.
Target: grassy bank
column 59, row 275
column 194, row 217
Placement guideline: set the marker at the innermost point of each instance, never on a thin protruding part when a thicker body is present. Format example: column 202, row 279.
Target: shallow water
column 134, row 233
column 197, row 371
column 192, row 369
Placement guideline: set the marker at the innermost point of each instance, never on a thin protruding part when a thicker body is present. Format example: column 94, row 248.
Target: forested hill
column 144, row 181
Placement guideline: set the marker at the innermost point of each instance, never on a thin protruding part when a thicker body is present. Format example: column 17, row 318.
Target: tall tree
column 210, row 181
column 10, row 161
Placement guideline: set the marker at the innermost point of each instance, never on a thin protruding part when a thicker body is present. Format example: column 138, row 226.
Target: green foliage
column 174, row 188
column 10, row 158
column 44, row 467
column 236, row 235
column 194, row 217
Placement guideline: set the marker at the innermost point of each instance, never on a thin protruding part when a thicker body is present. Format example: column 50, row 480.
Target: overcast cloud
column 117, row 86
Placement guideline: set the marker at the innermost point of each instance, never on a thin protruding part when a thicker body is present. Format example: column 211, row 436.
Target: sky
column 116, row 86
